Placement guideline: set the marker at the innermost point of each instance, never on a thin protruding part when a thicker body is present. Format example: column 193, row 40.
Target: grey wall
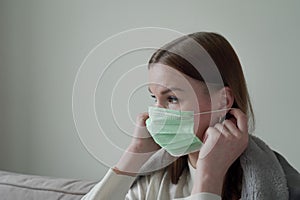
column 43, row 43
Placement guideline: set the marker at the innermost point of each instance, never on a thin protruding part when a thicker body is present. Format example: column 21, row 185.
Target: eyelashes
column 153, row 97
column 170, row 99
column 173, row 99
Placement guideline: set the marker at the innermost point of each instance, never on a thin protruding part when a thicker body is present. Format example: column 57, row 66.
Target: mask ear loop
column 212, row 111
column 221, row 118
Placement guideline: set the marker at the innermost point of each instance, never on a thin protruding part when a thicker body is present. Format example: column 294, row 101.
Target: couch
column 14, row 186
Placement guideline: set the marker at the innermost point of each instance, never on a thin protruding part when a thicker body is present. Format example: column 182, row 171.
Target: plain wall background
column 43, row 43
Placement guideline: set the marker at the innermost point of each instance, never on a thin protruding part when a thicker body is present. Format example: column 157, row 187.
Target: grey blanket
column 267, row 175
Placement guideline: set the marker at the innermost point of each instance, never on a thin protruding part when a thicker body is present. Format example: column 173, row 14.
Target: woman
column 199, row 90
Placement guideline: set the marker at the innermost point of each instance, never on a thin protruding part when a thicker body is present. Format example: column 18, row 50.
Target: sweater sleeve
column 118, row 187
column 112, row 186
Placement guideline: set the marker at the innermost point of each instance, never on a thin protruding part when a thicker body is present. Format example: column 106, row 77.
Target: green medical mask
column 173, row 130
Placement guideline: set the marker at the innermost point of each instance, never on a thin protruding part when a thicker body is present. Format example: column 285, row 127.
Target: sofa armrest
column 14, row 186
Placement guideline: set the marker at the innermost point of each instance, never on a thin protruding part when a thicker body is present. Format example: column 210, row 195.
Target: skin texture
column 223, row 142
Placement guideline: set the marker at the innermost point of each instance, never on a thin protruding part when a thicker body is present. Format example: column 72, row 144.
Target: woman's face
column 174, row 90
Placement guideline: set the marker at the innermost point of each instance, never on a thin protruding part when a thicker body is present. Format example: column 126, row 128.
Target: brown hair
column 230, row 69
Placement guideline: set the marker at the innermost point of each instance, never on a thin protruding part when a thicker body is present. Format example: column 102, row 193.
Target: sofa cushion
column 14, row 186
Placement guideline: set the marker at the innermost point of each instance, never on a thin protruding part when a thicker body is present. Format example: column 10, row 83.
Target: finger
column 233, row 120
column 231, row 127
column 210, row 133
column 222, row 129
column 243, row 138
column 141, row 119
column 242, row 120
column 212, row 136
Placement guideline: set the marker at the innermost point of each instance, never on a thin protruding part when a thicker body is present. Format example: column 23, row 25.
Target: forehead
column 166, row 76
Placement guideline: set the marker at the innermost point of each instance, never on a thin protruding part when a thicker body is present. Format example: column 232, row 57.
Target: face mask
column 173, row 130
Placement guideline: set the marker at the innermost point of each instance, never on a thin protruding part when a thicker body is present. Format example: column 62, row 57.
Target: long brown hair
column 230, row 69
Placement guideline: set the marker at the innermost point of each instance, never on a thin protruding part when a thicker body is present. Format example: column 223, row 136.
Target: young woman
column 201, row 116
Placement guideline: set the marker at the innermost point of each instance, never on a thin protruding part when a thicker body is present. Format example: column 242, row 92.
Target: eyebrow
column 167, row 90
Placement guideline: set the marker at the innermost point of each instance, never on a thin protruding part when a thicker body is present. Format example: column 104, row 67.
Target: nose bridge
column 160, row 104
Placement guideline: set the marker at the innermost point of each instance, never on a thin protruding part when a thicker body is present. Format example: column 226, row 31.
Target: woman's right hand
column 141, row 148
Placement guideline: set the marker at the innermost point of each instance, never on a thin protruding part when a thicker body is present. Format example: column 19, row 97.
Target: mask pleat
column 173, row 130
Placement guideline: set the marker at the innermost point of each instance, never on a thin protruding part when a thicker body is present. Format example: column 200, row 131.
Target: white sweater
column 158, row 185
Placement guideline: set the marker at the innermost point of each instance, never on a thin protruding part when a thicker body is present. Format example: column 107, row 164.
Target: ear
column 226, row 98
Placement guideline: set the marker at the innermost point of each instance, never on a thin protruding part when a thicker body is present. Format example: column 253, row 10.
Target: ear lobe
column 223, row 102
column 227, row 98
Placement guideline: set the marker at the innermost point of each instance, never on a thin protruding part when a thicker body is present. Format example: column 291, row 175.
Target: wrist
column 208, row 182
column 120, row 172
column 136, row 148
column 145, row 145
column 131, row 162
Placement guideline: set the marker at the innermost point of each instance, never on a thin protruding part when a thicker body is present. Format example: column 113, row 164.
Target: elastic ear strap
column 212, row 111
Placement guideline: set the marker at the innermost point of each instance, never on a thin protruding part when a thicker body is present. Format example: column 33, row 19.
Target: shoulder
column 259, row 162
column 160, row 179
column 292, row 176
column 147, row 186
column 156, row 176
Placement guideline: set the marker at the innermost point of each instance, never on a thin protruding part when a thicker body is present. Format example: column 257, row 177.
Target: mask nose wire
column 212, row 111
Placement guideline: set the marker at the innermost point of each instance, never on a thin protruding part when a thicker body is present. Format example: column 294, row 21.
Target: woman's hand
column 141, row 148
column 223, row 144
column 142, row 141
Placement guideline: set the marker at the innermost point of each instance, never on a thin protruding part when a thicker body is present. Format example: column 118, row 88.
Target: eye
column 155, row 100
column 172, row 99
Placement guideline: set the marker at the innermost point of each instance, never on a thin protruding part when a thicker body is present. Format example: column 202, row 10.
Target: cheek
column 175, row 107
column 201, row 123
column 192, row 104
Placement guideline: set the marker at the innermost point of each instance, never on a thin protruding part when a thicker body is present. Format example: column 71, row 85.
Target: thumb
column 210, row 139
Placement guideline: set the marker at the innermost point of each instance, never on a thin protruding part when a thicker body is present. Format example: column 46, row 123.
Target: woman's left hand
column 224, row 143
